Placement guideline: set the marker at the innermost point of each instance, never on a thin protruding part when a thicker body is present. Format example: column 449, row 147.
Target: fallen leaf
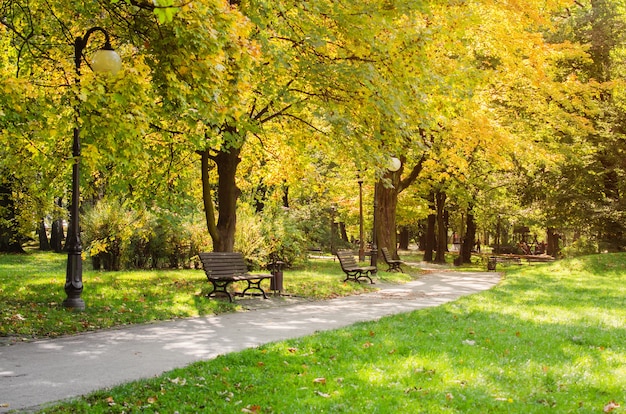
column 253, row 409
column 469, row 342
column 368, row 344
column 151, row 400
column 292, row 350
column 322, row 394
column 319, row 380
column 610, row 407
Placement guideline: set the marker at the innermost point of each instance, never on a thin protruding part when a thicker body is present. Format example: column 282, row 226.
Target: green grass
column 551, row 338
column 31, row 294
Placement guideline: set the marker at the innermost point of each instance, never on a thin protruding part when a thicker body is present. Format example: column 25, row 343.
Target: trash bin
column 276, row 283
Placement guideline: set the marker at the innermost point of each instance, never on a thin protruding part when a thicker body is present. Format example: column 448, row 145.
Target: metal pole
column 74, row 271
column 361, row 241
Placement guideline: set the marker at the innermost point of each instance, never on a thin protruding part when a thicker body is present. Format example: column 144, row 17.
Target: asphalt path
column 37, row 373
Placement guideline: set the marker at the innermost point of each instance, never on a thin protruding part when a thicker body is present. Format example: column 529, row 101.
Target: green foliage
column 118, row 237
column 271, row 235
column 108, row 227
column 582, row 246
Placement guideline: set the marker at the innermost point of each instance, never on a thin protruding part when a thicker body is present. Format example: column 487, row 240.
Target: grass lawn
column 549, row 338
column 31, row 293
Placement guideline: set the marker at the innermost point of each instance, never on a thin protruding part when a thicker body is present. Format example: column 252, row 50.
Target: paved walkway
column 36, row 373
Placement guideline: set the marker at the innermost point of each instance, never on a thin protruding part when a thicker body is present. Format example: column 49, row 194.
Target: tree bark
column 386, row 216
column 44, row 243
column 442, row 228
column 470, row 236
column 404, row 238
column 227, row 195
column 552, row 248
column 431, row 224
column 10, row 238
column 386, row 202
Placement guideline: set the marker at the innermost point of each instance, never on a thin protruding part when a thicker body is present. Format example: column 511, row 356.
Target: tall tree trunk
column 387, row 200
column 57, row 236
column 470, row 236
column 227, row 195
column 404, row 238
column 552, row 248
column 44, row 243
column 431, row 224
column 223, row 232
column 9, row 233
column 442, row 228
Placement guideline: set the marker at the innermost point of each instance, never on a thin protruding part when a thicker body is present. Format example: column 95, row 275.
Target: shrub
column 581, row 247
column 117, row 237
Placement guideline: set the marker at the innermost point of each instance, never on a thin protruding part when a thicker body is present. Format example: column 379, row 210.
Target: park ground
column 548, row 338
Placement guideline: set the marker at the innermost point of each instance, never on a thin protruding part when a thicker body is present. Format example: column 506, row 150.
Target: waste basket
column 276, row 282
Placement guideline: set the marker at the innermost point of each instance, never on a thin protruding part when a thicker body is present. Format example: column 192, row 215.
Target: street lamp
column 393, row 166
column 105, row 60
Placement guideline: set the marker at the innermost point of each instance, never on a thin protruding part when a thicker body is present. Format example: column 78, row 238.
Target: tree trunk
column 431, row 224
column 44, row 243
column 442, row 228
column 223, row 232
column 552, row 248
column 9, row 233
column 387, row 199
column 227, row 196
column 404, row 238
column 386, row 202
column 57, row 235
column 470, row 236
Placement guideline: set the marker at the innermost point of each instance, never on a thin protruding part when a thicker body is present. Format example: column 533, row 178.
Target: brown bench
column 224, row 268
column 394, row 264
column 352, row 269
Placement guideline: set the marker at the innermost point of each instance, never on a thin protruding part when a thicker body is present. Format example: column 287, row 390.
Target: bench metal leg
column 219, row 286
column 254, row 284
column 357, row 275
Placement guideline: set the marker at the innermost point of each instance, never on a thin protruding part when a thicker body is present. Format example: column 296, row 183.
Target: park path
column 45, row 371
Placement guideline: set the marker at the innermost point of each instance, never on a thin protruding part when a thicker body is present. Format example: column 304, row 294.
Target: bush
column 269, row 236
column 117, row 237
column 583, row 246
column 107, row 230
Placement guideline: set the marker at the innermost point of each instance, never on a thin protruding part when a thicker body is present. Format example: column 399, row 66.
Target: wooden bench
column 352, row 269
column 394, row 264
column 224, row 268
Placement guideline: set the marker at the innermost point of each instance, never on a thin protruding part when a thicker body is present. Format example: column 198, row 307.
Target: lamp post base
column 74, row 304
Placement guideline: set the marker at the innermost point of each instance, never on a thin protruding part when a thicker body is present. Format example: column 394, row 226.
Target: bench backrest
column 346, row 259
column 386, row 254
column 219, row 265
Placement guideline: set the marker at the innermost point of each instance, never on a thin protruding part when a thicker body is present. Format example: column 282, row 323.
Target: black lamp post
column 394, row 165
column 105, row 60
